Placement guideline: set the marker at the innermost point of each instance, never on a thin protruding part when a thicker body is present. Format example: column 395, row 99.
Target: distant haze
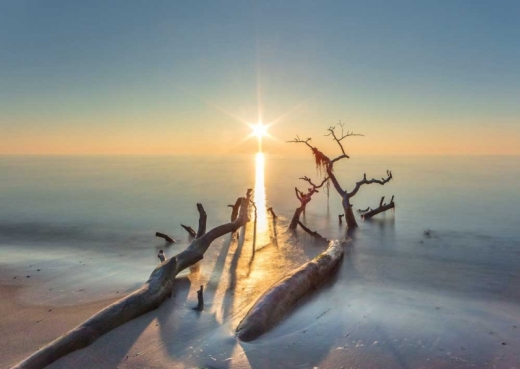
column 183, row 77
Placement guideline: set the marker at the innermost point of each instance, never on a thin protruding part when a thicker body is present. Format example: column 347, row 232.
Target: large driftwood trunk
column 276, row 302
column 147, row 298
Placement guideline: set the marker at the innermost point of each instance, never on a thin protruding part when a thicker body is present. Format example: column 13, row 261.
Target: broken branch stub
column 165, row 237
column 190, row 230
column 148, row 297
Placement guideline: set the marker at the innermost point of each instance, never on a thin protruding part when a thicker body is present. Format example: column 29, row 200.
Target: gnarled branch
column 332, row 132
column 373, row 180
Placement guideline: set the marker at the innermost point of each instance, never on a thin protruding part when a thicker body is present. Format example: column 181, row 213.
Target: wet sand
column 361, row 318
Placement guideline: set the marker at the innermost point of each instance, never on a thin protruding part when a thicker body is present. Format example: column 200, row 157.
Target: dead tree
column 323, row 162
column 149, row 297
column 381, row 208
column 304, row 199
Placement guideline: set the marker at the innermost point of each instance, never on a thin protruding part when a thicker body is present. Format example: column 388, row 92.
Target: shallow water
column 401, row 298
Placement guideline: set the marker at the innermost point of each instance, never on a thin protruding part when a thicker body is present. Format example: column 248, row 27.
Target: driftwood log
column 381, row 208
column 158, row 287
column 278, row 300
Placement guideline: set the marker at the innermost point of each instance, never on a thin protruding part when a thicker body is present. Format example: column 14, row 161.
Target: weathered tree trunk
column 278, row 300
column 382, row 207
column 350, row 220
column 146, row 298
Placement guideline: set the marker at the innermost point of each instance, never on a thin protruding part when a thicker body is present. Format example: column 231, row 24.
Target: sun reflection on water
column 262, row 229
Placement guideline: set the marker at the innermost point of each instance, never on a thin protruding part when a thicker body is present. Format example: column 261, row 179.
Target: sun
column 259, row 130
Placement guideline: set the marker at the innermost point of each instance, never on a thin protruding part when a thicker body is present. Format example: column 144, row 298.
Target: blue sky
column 167, row 76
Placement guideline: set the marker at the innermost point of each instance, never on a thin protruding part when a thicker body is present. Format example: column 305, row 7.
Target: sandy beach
column 353, row 321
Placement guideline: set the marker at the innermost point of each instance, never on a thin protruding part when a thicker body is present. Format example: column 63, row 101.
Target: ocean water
column 452, row 293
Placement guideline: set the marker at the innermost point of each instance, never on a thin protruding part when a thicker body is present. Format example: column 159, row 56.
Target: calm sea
column 453, row 242
column 102, row 204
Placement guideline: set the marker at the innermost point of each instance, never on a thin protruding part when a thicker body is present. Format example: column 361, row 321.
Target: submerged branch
column 190, row 230
column 382, row 207
column 165, row 237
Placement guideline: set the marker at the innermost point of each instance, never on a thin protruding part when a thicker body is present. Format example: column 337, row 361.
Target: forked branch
column 332, row 132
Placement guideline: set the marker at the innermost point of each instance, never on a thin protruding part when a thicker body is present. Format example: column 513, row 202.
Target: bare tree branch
column 299, row 140
column 332, row 132
column 307, row 179
column 373, row 180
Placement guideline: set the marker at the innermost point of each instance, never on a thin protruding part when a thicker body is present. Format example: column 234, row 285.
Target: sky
column 184, row 77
